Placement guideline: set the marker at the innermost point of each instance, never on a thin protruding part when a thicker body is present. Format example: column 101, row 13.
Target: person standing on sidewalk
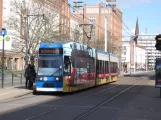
column 30, row 74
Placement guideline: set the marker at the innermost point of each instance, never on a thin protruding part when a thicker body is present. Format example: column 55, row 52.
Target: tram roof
column 106, row 53
column 50, row 45
column 102, row 52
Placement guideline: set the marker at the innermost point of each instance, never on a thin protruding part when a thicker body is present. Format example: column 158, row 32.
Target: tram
column 71, row 66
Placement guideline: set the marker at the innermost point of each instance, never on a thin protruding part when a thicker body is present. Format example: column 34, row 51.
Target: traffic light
column 158, row 42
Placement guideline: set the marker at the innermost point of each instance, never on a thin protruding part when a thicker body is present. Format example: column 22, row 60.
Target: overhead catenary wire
column 121, row 21
column 89, row 19
column 85, row 16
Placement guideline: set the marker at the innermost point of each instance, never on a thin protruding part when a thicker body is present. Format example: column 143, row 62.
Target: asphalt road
column 130, row 98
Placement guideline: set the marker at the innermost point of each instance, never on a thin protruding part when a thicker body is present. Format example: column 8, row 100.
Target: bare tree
column 76, row 33
column 43, row 24
column 113, row 44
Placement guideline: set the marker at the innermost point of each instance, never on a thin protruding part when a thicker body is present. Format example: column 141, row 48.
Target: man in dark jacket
column 30, row 75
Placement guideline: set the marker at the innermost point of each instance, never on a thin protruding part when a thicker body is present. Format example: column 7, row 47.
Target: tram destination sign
column 50, row 51
column 158, row 73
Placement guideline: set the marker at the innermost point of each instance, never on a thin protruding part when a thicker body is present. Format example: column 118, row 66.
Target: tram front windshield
column 51, row 66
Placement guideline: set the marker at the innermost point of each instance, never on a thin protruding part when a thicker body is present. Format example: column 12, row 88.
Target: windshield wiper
column 56, row 71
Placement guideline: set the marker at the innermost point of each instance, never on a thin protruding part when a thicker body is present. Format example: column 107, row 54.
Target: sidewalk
column 13, row 92
column 128, row 74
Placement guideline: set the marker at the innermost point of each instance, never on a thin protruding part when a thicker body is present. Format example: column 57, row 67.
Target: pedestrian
column 30, row 75
column 27, row 76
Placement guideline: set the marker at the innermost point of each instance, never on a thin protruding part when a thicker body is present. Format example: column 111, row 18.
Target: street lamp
column 3, row 33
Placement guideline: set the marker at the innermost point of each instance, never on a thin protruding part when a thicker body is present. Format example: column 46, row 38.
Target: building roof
column 137, row 27
column 139, row 46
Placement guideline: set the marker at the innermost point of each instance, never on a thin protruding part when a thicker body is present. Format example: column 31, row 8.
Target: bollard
column 12, row 79
column 21, row 78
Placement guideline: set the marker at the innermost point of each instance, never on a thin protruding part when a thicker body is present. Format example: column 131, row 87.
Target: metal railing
column 13, row 79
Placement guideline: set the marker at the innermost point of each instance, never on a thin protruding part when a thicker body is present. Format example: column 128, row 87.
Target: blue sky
column 149, row 14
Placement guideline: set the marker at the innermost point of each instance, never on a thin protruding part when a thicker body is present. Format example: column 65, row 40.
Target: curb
column 16, row 96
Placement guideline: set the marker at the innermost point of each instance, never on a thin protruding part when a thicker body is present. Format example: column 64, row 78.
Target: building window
column 92, row 19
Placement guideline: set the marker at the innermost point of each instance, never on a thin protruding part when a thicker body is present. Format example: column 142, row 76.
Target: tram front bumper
column 49, row 89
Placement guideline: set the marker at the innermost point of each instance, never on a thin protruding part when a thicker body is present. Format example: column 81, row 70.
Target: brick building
column 96, row 14
column 1, row 9
column 15, row 59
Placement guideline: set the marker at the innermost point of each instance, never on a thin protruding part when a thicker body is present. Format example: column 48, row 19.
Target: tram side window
column 115, row 67
column 97, row 67
column 107, row 67
column 92, row 64
column 103, row 67
column 111, row 67
column 99, row 63
column 100, row 66
column 67, row 65
column 107, row 70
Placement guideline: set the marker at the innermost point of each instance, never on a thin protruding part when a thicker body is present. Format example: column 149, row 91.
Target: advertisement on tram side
column 158, row 73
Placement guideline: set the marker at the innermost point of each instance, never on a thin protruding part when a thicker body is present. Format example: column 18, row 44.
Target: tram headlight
column 45, row 78
column 40, row 78
column 57, row 78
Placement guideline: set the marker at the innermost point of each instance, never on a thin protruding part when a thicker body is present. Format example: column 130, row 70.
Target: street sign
column 158, row 73
column 7, row 38
column 3, row 32
column 26, row 58
column 123, row 59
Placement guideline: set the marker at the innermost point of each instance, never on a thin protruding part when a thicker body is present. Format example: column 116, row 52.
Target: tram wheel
column 35, row 92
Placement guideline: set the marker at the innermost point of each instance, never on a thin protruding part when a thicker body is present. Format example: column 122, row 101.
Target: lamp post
column 3, row 33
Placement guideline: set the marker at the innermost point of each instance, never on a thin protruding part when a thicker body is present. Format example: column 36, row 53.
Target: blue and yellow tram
column 71, row 66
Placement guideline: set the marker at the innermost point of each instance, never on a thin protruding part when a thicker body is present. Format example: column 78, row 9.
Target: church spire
column 137, row 27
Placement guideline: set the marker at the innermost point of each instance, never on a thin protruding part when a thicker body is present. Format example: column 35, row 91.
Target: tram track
column 106, row 101
column 32, row 96
column 93, row 108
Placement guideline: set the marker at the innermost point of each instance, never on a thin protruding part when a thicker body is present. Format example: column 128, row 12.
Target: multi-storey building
column 15, row 59
column 96, row 14
column 1, row 9
column 148, row 54
column 12, row 60
column 138, row 56
column 148, row 43
column 151, row 53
